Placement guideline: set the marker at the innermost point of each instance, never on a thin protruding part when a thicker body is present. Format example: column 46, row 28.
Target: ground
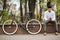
column 30, row 37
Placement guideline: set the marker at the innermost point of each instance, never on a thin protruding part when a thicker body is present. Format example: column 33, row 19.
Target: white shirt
column 51, row 15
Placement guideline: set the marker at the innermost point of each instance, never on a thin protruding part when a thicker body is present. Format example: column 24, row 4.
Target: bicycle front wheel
column 9, row 27
column 33, row 26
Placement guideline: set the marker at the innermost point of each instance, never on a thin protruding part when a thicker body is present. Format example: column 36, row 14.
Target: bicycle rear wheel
column 33, row 26
column 9, row 27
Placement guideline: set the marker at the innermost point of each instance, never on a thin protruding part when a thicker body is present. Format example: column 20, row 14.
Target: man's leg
column 45, row 24
column 56, row 27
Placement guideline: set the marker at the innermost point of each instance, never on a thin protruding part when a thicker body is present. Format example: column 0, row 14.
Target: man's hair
column 49, row 6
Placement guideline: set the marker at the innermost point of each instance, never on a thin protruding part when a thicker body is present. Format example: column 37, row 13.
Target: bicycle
column 31, row 26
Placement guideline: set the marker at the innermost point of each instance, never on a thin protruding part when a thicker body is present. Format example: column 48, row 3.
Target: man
column 50, row 17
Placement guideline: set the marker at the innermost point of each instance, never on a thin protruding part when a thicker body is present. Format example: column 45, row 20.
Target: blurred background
column 24, row 10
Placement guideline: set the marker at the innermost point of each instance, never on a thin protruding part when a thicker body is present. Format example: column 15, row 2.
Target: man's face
column 49, row 9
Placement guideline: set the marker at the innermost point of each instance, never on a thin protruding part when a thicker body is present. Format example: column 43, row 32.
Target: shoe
column 56, row 33
column 45, row 33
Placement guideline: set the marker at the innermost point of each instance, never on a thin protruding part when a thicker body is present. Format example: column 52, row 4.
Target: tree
column 5, row 12
column 4, row 4
column 25, row 7
column 58, row 9
column 21, row 11
column 41, row 8
column 31, row 8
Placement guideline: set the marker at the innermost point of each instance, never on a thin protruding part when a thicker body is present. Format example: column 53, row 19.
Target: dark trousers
column 52, row 22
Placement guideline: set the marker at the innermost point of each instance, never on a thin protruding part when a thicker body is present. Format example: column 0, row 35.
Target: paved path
column 30, row 37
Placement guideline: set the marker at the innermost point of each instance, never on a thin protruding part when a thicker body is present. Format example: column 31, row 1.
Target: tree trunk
column 40, row 10
column 4, row 4
column 21, row 11
column 31, row 8
column 25, row 7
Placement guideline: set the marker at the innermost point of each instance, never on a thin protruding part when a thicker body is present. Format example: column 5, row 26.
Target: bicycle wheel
column 33, row 26
column 9, row 27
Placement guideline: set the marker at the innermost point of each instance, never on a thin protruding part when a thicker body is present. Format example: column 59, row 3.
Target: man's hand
column 49, row 19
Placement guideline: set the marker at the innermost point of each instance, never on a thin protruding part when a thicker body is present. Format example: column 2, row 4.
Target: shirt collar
column 48, row 11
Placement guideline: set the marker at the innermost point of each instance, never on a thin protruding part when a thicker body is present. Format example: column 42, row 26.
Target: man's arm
column 53, row 16
column 45, row 16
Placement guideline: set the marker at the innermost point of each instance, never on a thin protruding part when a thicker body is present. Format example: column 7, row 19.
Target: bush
column 4, row 15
